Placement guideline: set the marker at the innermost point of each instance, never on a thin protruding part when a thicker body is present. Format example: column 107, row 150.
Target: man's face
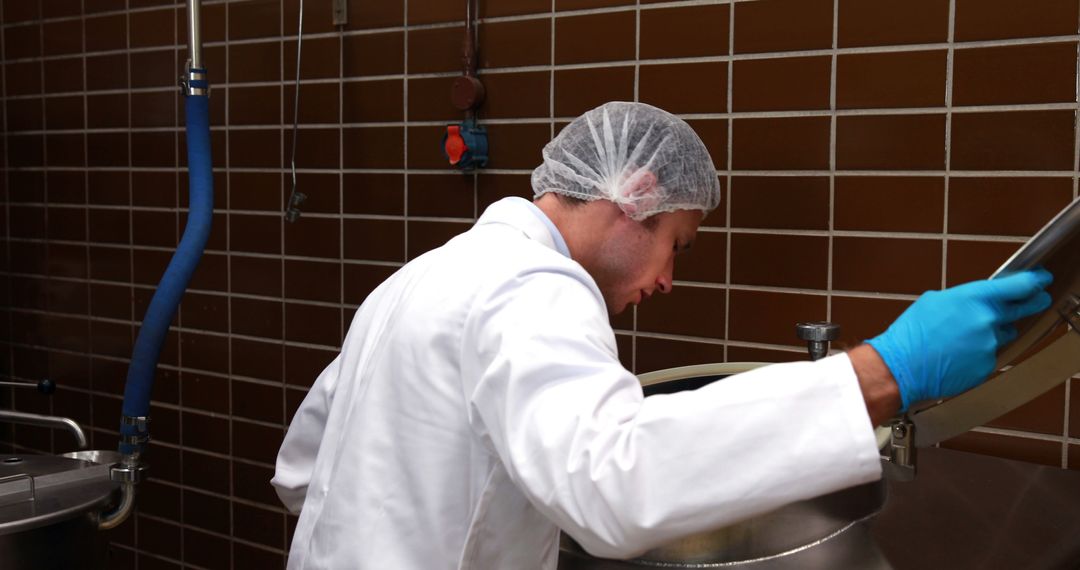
column 638, row 258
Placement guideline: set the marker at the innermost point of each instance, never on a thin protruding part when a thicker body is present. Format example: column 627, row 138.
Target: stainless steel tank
column 824, row 532
column 49, row 508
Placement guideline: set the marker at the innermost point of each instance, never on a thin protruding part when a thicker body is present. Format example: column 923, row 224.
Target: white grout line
column 229, row 254
column 1075, row 194
column 341, row 207
column 405, row 135
column 526, row 171
column 832, row 157
column 560, row 15
column 1065, row 427
column 730, row 102
column 1022, row 434
column 870, row 112
column 86, row 200
column 130, row 202
column 551, row 71
column 634, row 313
column 180, row 313
column 45, row 197
column 7, row 369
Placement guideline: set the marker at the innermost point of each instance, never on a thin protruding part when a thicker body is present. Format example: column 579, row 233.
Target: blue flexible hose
column 155, row 325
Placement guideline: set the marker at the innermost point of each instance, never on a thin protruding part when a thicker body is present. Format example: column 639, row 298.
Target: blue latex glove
column 947, row 341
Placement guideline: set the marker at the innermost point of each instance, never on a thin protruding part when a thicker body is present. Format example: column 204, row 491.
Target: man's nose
column 663, row 281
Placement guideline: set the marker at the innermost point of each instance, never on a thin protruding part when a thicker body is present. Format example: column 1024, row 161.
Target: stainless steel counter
column 962, row 511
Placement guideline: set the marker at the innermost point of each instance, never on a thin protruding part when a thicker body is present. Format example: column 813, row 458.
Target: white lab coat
column 478, row 405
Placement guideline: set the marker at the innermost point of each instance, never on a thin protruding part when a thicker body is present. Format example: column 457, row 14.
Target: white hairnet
column 642, row 158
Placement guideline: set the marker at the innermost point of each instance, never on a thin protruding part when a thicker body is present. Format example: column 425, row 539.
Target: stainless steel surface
column 63, row 488
column 17, row 478
column 194, row 34
column 56, row 422
column 968, row 512
column 698, row 371
column 113, row 517
column 851, row 549
column 1022, row 383
column 1057, row 248
column 48, row 510
column 95, row 456
column 45, row 385
column 129, row 472
column 817, row 330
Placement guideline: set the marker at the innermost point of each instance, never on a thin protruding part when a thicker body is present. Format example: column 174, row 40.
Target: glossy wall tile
column 867, row 151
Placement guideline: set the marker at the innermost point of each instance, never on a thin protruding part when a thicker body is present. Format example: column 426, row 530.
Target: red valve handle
column 455, row 145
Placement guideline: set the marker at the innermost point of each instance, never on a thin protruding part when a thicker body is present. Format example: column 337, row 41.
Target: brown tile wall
column 868, row 152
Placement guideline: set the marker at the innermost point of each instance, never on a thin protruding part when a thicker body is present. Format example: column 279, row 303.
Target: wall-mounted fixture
column 340, row 12
column 465, row 144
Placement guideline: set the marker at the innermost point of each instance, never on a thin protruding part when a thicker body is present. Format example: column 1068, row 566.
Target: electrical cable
column 292, row 207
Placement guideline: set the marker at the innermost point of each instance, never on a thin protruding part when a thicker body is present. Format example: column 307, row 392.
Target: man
column 478, row 404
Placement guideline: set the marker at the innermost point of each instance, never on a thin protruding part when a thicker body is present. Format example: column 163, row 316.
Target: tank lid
column 1046, row 352
column 38, row 490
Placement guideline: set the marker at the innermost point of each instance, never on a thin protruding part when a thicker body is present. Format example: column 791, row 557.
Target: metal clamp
column 194, row 81
column 124, row 473
column 899, row 463
column 136, row 439
column 141, row 423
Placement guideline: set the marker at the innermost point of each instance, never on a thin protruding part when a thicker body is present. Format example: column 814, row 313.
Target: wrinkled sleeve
column 296, row 458
column 622, row 473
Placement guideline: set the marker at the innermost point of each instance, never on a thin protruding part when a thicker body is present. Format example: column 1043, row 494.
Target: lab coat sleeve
column 622, row 473
column 296, row 458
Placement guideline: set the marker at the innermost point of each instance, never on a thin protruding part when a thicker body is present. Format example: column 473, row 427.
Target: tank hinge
column 898, row 459
column 1071, row 313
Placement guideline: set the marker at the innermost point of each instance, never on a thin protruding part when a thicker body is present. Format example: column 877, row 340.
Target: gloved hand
column 947, row 341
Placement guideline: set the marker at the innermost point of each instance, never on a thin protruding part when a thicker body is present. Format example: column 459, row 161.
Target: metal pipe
column 112, row 519
column 55, row 422
column 194, row 37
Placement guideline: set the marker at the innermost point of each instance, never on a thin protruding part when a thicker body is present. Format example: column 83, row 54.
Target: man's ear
column 640, row 193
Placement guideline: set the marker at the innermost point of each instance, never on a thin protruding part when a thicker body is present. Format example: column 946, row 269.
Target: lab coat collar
column 525, row 216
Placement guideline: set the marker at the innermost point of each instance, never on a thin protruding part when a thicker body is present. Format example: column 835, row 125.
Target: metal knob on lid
column 818, row 335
